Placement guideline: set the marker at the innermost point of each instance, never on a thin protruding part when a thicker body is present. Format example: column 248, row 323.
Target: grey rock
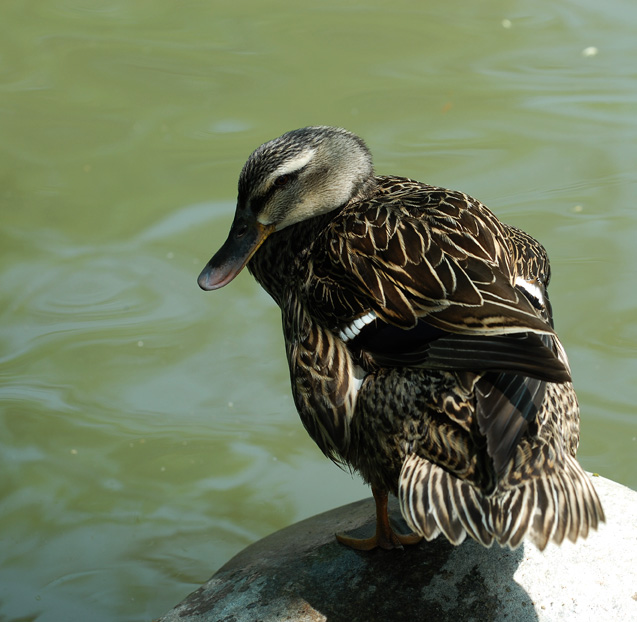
column 302, row 574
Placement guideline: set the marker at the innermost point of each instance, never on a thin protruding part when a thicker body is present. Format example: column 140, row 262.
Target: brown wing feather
column 435, row 253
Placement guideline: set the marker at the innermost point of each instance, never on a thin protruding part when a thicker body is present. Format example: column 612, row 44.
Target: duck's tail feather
column 562, row 503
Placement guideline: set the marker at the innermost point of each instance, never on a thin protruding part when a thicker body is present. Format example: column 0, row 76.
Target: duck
column 420, row 342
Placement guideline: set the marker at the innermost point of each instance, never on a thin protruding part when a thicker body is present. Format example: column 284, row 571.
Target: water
column 148, row 432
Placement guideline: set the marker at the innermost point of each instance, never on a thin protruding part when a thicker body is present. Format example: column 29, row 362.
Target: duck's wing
column 527, row 353
column 443, row 281
column 435, row 253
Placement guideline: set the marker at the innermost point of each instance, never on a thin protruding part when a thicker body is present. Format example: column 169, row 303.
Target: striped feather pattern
column 559, row 504
column 321, row 366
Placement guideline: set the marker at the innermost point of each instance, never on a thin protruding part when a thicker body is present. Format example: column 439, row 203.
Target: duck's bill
column 243, row 241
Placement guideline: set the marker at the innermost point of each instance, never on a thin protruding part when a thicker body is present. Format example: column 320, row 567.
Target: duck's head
column 297, row 176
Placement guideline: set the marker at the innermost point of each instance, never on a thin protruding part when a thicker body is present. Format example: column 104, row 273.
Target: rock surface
column 301, row 574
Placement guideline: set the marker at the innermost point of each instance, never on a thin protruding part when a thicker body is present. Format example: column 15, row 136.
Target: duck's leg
column 385, row 537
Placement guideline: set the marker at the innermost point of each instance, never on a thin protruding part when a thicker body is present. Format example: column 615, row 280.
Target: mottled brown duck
column 420, row 341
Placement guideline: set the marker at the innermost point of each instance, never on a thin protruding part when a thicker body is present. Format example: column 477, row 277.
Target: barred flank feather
column 556, row 505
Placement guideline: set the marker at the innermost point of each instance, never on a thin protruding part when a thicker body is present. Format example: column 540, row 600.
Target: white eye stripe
column 295, row 164
column 352, row 330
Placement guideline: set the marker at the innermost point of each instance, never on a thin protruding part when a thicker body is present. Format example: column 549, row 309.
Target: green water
column 147, row 430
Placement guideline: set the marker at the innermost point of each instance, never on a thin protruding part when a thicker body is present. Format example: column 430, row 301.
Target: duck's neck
column 276, row 264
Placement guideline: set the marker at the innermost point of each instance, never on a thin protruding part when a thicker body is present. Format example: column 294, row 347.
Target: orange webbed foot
column 385, row 537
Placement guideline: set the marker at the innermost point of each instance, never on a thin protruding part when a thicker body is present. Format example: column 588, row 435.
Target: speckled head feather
column 266, row 158
column 320, row 167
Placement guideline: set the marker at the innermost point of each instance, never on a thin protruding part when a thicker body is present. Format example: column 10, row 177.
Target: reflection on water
column 147, row 429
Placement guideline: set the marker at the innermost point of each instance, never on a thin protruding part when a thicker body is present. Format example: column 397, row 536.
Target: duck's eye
column 282, row 180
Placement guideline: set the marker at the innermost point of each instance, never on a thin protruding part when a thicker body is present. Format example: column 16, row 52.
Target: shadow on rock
column 301, row 573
